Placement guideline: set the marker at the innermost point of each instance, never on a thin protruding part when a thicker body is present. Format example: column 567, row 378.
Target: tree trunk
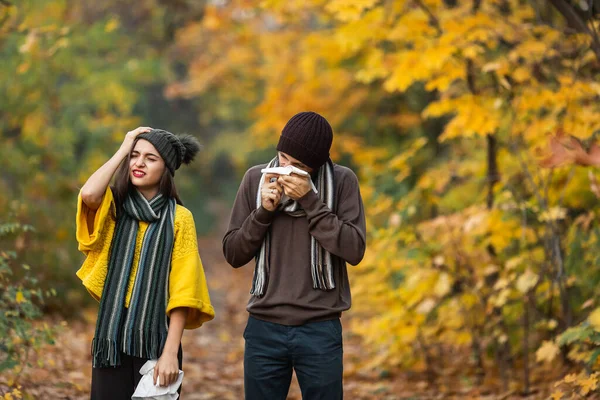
column 492, row 172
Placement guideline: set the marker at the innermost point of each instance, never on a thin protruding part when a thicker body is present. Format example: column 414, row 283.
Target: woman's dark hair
column 122, row 183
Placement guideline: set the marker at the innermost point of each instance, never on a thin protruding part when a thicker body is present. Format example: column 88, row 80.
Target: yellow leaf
column 224, row 336
column 426, row 306
column 547, row 352
column 349, row 10
column 111, row 25
column 553, row 214
column 570, row 378
column 521, row 74
column 33, row 125
column 587, row 385
column 443, row 285
column 29, row 42
column 19, row 297
column 21, row 69
column 526, row 281
column 558, row 395
column 502, row 297
column 594, row 319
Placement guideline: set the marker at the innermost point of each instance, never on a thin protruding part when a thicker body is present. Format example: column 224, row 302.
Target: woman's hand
column 166, row 369
column 131, row 135
column 167, row 366
column 95, row 187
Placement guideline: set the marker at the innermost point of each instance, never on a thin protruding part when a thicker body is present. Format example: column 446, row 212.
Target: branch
column 5, row 3
column 432, row 18
column 576, row 22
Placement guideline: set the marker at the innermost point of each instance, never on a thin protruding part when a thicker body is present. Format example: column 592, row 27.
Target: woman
column 142, row 262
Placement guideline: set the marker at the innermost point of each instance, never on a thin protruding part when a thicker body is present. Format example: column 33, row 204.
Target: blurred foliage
column 21, row 332
column 483, row 243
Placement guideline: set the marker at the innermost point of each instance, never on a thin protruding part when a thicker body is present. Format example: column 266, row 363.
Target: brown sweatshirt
column 289, row 297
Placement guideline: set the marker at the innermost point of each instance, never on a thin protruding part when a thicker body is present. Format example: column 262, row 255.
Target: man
column 301, row 240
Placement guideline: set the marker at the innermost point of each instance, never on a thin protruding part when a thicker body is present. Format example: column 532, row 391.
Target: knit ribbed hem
column 309, row 201
column 264, row 216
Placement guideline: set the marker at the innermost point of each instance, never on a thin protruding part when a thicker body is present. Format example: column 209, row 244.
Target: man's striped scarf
column 141, row 329
column 321, row 260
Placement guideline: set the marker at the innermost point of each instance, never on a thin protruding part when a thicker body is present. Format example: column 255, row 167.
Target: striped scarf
column 321, row 260
column 141, row 329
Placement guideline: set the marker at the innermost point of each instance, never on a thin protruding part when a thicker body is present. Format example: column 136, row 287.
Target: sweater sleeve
column 342, row 233
column 94, row 242
column 187, row 281
column 90, row 239
column 248, row 225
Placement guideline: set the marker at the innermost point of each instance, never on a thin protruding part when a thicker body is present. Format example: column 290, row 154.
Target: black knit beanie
column 173, row 149
column 307, row 136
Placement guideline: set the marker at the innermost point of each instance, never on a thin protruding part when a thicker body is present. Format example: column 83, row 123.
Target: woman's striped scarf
column 141, row 329
column 321, row 260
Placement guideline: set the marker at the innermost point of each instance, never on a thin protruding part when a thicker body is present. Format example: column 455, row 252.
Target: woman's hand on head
column 131, row 135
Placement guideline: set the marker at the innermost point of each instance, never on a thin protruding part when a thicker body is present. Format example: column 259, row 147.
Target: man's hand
column 271, row 192
column 294, row 185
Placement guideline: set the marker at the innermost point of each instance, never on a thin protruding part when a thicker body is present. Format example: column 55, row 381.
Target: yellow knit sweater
column 187, row 283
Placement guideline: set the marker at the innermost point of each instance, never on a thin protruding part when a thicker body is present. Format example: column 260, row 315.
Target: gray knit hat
column 307, row 136
column 174, row 149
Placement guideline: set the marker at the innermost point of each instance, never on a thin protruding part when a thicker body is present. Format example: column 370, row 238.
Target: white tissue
column 147, row 390
column 287, row 170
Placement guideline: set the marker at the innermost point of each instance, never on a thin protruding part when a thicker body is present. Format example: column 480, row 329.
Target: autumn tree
column 445, row 109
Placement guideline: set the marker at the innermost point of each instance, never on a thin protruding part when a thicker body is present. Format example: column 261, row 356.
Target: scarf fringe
column 259, row 281
column 105, row 353
column 321, row 279
column 147, row 345
column 258, row 285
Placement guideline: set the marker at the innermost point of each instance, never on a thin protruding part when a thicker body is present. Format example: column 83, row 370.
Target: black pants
column 119, row 383
column 273, row 351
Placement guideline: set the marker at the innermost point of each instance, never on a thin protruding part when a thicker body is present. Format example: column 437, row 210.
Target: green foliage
column 578, row 333
column 21, row 300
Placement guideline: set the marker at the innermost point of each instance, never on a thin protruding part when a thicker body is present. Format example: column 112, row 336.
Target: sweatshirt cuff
column 310, row 201
column 264, row 216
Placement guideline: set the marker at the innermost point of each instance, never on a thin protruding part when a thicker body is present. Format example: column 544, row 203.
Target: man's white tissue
column 287, row 170
column 147, row 390
column 284, row 170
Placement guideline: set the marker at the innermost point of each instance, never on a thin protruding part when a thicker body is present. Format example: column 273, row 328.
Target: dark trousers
column 273, row 351
column 119, row 383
